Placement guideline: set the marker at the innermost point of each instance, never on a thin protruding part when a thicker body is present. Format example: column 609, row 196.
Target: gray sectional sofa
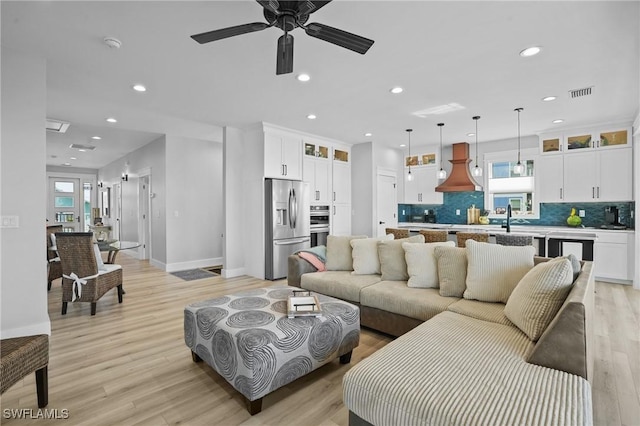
column 460, row 360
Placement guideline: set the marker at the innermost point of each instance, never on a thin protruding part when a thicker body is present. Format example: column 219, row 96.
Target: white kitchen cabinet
column 586, row 139
column 341, row 219
column 282, row 155
column 604, row 175
column 317, row 172
column 421, row 190
column 341, row 182
column 613, row 256
column 549, row 179
column 552, row 143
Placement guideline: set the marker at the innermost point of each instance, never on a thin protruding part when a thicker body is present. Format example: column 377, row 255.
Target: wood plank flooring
column 129, row 365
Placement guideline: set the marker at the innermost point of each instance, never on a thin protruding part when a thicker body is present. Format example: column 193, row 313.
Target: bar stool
column 434, row 236
column 397, row 233
column 462, row 237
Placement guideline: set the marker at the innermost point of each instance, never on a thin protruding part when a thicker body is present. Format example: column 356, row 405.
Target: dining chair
column 85, row 278
column 397, row 233
column 514, row 240
column 462, row 237
column 434, row 236
column 54, row 267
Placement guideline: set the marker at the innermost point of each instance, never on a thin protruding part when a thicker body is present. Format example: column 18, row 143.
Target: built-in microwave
column 320, row 225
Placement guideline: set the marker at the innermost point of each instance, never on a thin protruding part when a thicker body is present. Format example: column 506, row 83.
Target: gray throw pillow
column 452, row 270
column 392, row 262
column 339, row 252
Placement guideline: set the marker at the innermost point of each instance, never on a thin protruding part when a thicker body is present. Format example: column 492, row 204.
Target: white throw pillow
column 96, row 251
column 365, row 255
column 421, row 263
column 339, row 252
column 539, row 296
column 494, row 270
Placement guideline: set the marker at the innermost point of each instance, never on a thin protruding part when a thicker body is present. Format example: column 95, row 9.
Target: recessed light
column 471, row 134
column 96, row 138
column 396, row 90
column 66, row 164
column 139, row 88
column 303, row 77
column 311, row 116
column 82, row 150
column 402, row 145
column 72, row 158
column 530, row 51
column 559, row 120
column 368, row 134
column 549, row 98
column 112, row 120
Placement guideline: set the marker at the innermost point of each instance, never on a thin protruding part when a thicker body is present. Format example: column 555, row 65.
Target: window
column 504, row 187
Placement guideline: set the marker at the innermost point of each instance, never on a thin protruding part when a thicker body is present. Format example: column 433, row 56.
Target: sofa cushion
column 392, row 263
column 421, row 263
column 455, row 370
column 495, row 270
column 485, row 311
column 452, row 270
column 339, row 252
column 396, row 297
column 365, row 254
column 539, row 295
column 340, row 284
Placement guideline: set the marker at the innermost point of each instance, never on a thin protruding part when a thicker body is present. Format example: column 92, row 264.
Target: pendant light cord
column 440, row 125
column 518, row 110
column 476, row 118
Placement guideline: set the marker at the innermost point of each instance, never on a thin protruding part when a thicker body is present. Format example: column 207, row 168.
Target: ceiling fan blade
column 308, row 6
column 284, row 62
column 341, row 38
column 271, row 5
column 229, row 32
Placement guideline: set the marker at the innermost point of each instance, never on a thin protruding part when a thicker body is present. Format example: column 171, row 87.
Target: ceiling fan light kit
column 289, row 15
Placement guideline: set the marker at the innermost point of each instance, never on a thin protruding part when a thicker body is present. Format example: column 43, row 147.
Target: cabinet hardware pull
column 598, row 192
column 593, row 192
column 334, row 210
column 282, row 169
column 561, row 193
column 286, row 170
column 334, row 195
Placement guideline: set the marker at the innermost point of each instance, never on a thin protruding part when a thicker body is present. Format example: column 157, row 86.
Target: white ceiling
column 439, row 52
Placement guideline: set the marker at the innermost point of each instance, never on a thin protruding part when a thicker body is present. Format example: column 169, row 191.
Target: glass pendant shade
column 477, row 171
column 518, row 168
column 442, row 174
column 409, row 176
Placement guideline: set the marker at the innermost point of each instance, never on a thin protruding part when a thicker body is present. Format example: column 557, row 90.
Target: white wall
column 636, row 190
column 23, row 271
column 362, row 184
column 194, row 203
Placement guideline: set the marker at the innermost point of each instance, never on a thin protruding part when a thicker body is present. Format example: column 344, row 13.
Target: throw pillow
column 392, row 263
column 421, row 263
column 96, row 252
column 365, row 255
column 494, row 270
column 539, row 296
column 452, row 270
column 339, row 252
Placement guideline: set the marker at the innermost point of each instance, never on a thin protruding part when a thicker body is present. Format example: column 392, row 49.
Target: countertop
column 563, row 232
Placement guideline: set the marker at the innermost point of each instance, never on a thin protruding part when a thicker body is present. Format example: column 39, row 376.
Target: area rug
column 194, row 274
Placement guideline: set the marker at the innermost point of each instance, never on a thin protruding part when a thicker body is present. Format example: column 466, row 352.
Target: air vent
column 57, row 125
column 576, row 93
column 81, row 147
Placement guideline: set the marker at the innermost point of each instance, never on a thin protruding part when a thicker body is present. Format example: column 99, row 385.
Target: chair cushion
column 452, row 270
column 392, row 263
column 421, row 263
column 365, row 254
column 109, row 267
column 99, row 262
column 539, row 295
column 340, row 284
column 494, row 270
column 339, row 252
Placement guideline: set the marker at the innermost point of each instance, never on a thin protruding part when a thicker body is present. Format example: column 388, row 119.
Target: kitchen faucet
column 508, row 225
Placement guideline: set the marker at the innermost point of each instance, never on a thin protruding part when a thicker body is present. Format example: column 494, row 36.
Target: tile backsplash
column 551, row 214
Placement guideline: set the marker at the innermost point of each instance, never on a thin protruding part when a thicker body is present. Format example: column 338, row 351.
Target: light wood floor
column 129, row 364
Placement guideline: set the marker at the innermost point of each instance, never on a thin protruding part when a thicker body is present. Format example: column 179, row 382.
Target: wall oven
column 319, row 225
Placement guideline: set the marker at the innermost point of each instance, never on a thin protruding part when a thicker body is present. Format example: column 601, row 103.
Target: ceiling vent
column 576, row 93
column 57, row 125
column 81, row 147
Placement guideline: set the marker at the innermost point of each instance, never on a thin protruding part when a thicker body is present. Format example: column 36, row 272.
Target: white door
column 116, row 208
column 65, row 204
column 387, row 207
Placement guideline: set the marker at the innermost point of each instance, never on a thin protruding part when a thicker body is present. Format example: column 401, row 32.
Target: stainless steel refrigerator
column 287, row 224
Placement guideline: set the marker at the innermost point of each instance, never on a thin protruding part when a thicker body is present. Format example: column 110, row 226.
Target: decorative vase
column 483, row 220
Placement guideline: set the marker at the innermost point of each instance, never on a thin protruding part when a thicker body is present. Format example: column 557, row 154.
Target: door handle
column 382, row 223
column 288, row 243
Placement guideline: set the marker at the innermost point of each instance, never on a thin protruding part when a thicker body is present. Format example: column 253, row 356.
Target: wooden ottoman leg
column 195, row 357
column 254, row 407
column 346, row 358
column 42, row 386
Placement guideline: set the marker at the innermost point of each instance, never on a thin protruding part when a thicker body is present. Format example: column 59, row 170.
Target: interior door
column 65, row 204
column 387, row 208
column 144, row 224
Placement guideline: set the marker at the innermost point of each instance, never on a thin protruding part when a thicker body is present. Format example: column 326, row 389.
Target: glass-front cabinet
column 316, row 150
column 585, row 139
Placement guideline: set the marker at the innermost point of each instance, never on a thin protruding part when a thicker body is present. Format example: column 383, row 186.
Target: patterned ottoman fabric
column 248, row 339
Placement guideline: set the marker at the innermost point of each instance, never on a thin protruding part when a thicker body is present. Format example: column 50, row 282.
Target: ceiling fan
column 288, row 15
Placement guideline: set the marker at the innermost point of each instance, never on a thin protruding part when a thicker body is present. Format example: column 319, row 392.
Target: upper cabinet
column 282, row 155
column 317, row 171
column 585, row 140
column 422, row 188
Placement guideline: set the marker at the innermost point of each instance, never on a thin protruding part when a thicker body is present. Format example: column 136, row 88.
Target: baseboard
column 31, row 330
column 158, row 264
column 193, row 264
column 232, row 273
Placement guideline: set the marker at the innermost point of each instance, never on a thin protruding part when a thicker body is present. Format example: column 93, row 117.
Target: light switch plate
column 581, row 213
column 457, row 212
column 10, row 222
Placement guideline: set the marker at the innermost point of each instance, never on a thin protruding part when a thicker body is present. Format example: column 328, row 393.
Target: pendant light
column 442, row 174
column 477, row 170
column 409, row 175
column 519, row 167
